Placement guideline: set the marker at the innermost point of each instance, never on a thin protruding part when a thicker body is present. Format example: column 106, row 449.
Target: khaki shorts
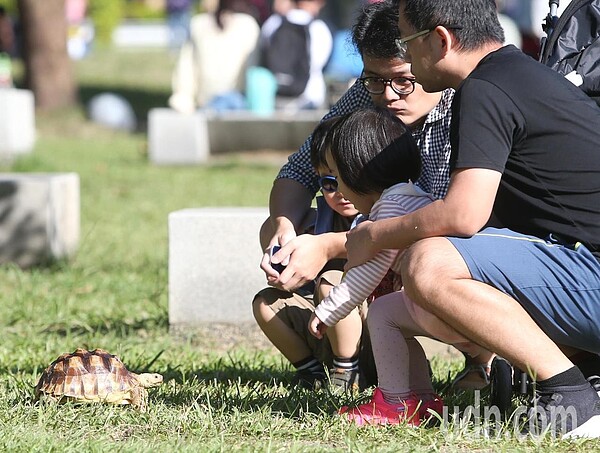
column 295, row 311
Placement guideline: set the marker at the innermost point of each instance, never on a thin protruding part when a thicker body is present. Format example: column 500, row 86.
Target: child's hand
column 316, row 327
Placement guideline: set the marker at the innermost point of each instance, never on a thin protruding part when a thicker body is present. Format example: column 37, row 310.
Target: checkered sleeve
column 298, row 167
column 434, row 141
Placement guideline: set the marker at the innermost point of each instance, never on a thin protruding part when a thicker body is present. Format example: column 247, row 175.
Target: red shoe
column 431, row 407
column 380, row 412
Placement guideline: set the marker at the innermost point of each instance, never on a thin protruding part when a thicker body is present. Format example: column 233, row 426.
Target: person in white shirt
column 213, row 62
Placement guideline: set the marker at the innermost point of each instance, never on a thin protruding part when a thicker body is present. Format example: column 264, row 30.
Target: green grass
column 218, row 394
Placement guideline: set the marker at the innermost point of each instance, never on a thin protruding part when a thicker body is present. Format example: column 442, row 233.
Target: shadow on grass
column 115, row 327
column 234, row 396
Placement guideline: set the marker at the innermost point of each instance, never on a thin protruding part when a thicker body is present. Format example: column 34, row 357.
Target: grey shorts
column 557, row 284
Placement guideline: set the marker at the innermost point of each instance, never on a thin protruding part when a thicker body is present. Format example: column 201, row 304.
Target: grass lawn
column 220, row 394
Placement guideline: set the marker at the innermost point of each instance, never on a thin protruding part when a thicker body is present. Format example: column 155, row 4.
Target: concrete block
column 177, row 139
column 141, row 34
column 214, row 258
column 17, row 123
column 39, row 217
column 247, row 131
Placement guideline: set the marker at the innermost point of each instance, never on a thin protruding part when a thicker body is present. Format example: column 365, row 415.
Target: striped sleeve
column 359, row 282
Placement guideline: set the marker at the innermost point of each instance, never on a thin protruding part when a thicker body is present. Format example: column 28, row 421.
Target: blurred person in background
column 262, row 10
column 320, row 42
column 282, row 7
column 178, row 19
column 211, row 68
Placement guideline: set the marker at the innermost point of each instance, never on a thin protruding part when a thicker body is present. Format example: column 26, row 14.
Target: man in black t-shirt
column 510, row 257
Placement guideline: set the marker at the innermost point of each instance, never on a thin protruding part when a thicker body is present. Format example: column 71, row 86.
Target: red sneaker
column 430, row 407
column 380, row 412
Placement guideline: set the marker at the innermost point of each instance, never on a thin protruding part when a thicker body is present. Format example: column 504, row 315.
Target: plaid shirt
column 433, row 140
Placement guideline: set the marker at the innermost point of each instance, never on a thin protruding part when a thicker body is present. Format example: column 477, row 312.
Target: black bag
column 287, row 56
column 573, row 46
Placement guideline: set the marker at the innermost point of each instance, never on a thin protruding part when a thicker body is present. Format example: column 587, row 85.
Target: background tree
column 48, row 70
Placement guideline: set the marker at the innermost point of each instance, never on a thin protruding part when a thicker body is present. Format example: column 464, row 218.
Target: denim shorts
column 557, row 284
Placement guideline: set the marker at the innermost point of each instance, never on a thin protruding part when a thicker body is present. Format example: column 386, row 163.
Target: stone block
column 214, row 258
column 176, row 138
column 17, row 123
column 247, row 131
column 39, row 217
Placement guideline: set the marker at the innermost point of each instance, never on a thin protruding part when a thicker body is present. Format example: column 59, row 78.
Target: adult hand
column 304, row 256
column 316, row 327
column 360, row 246
column 284, row 234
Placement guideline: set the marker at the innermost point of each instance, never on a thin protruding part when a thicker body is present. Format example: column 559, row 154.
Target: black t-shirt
column 519, row 117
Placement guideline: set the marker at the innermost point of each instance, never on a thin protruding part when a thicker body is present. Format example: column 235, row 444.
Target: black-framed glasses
column 400, row 85
column 328, row 183
column 401, row 42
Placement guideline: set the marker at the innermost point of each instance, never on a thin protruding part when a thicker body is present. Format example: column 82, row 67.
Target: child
column 375, row 159
column 283, row 316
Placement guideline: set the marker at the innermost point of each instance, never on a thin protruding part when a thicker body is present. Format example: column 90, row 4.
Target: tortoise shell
column 95, row 376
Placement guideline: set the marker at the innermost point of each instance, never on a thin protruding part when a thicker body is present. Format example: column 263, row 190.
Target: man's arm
column 463, row 212
column 289, row 208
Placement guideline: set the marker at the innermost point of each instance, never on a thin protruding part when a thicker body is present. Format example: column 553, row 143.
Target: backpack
column 287, row 56
column 572, row 47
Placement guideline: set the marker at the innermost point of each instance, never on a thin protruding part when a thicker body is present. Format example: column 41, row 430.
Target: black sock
column 568, row 378
column 588, row 363
column 309, row 365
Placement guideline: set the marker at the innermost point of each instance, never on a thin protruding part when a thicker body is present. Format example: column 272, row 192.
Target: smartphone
column 278, row 267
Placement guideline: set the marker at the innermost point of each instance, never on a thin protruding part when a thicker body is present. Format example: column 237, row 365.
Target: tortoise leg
column 139, row 398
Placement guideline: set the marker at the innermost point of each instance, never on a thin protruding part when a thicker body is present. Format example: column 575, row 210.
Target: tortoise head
column 149, row 379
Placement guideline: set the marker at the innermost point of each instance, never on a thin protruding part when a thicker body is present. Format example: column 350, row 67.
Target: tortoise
column 95, row 376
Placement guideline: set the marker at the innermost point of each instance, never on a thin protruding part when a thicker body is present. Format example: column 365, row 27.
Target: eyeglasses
column 401, row 42
column 400, row 85
column 328, row 183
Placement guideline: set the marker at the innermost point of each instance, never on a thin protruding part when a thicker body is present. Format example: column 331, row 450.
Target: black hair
column 373, row 150
column 320, row 142
column 376, row 29
column 234, row 6
column 478, row 19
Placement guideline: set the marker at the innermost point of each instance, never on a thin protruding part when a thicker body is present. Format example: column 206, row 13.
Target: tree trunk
column 48, row 71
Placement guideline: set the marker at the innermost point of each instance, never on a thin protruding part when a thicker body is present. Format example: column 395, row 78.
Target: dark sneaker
column 310, row 380
column 595, row 383
column 346, row 380
column 569, row 412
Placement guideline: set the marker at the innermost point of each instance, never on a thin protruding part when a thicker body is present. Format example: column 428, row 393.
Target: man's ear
column 443, row 40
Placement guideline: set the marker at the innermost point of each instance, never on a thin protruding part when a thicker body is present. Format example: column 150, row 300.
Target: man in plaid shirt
column 428, row 114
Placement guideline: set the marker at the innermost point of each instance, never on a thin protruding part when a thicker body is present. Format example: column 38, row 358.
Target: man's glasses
column 400, row 85
column 328, row 183
column 401, row 42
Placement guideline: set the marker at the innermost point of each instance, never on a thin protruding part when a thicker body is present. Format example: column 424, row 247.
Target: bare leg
column 436, row 278
column 284, row 338
column 401, row 362
column 344, row 337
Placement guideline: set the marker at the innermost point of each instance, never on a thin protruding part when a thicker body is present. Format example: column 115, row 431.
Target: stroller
column 576, row 55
